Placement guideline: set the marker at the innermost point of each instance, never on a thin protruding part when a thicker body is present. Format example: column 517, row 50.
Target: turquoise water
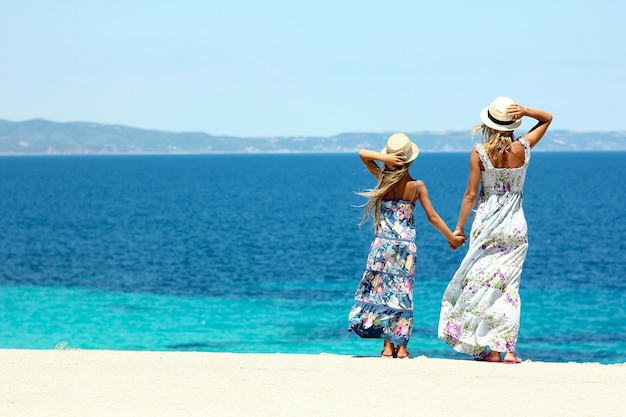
column 194, row 253
column 45, row 317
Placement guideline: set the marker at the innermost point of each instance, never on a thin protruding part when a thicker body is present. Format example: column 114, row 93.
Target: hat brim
column 415, row 151
column 484, row 117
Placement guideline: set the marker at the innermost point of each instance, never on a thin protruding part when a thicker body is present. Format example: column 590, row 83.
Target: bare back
column 514, row 158
column 405, row 190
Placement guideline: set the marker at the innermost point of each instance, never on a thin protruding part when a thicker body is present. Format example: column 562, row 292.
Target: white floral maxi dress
column 383, row 302
column 481, row 305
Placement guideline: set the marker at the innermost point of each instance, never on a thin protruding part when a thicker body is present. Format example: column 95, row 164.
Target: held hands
column 458, row 240
column 516, row 111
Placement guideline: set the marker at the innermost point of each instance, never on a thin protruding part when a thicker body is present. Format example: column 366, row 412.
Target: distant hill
column 39, row 137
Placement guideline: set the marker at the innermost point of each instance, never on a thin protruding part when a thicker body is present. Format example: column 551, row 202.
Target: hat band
column 500, row 122
column 408, row 149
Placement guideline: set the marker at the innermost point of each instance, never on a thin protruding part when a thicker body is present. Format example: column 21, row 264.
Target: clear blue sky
column 283, row 68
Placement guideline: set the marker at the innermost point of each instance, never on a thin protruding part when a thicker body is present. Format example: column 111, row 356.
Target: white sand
column 87, row 383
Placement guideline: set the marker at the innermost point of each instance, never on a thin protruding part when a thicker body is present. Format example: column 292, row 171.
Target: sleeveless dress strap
column 414, row 192
column 484, row 158
column 526, row 144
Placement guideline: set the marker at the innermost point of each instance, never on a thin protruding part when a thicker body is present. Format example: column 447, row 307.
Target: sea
column 262, row 253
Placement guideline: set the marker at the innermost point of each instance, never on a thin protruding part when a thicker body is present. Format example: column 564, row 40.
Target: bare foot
column 512, row 358
column 493, row 356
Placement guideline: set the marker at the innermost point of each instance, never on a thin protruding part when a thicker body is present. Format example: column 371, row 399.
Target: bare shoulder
column 412, row 190
column 517, row 147
column 475, row 156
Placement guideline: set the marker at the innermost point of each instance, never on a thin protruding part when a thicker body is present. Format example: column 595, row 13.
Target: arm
column 471, row 192
column 434, row 219
column 543, row 121
column 369, row 157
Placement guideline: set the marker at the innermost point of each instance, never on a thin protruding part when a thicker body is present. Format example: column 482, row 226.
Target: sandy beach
column 68, row 383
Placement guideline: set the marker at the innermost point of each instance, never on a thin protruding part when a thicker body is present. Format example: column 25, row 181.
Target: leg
column 493, row 356
column 388, row 350
column 401, row 352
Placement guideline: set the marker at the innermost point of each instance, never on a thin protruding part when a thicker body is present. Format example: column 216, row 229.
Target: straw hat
column 400, row 142
column 495, row 115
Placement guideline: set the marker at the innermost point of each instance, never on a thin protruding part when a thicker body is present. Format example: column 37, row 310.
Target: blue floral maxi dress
column 481, row 305
column 383, row 303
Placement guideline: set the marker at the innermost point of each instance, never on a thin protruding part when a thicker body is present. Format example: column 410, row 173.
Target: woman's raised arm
column 543, row 121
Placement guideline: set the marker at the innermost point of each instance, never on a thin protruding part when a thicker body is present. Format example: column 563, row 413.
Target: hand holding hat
column 516, row 111
column 402, row 148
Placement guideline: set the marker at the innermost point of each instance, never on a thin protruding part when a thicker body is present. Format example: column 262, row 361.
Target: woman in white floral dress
column 480, row 310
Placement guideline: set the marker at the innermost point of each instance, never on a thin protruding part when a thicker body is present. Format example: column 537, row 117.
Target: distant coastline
column 43, row 137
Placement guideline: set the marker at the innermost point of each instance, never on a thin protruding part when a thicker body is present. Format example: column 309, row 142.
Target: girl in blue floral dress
column 480, row 309
column 383, row 303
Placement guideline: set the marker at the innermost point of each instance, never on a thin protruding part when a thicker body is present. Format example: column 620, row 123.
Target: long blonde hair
column 497, row 142
column 387, row 179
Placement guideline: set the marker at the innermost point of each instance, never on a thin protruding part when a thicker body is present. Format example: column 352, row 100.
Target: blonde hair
column 497, row 143
column 387, row 179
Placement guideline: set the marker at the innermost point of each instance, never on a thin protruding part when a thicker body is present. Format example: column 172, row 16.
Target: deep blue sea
column 263, row 253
